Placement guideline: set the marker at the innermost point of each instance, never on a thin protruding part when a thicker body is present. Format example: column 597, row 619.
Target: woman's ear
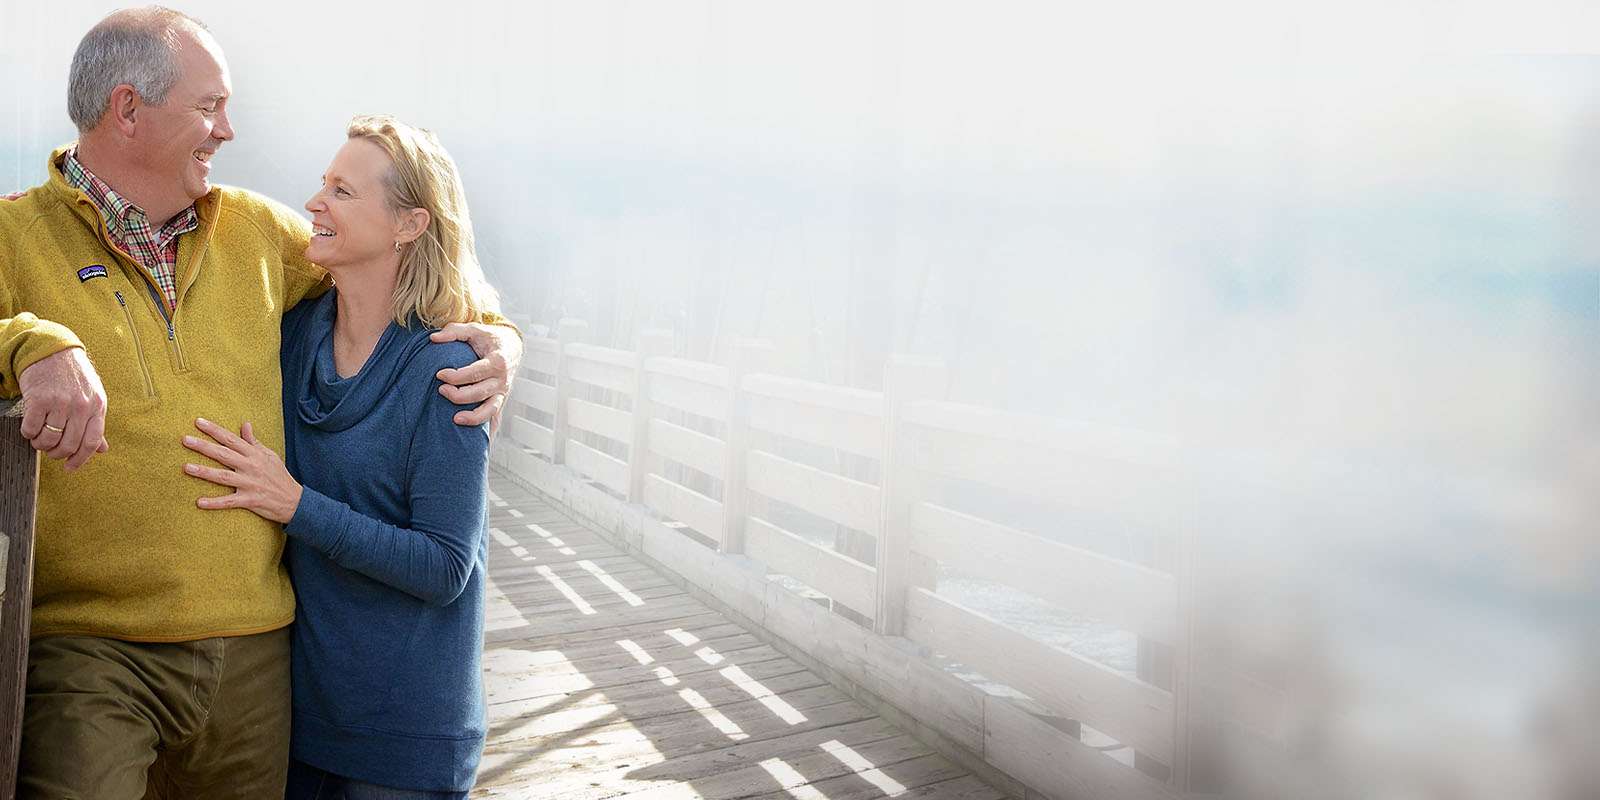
column 413, row 223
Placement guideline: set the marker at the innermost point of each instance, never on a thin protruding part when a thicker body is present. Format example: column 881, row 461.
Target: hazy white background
column 1345, row 253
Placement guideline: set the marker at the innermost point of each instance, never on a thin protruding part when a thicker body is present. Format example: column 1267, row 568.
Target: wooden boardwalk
column 606, row 679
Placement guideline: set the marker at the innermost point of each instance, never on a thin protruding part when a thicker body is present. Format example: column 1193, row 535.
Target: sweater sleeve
column 433, row 558
column 292, row 233
column 25, row 340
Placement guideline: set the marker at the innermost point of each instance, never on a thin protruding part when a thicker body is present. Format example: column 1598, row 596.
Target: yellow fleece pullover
column 121, row 549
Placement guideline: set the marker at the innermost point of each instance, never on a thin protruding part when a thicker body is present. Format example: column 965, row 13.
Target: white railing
column 706, row 467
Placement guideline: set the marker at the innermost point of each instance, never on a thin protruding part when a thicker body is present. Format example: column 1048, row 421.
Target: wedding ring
column 49, row 427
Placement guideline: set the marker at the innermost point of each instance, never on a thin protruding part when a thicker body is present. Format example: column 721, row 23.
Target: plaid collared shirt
column 129, row 228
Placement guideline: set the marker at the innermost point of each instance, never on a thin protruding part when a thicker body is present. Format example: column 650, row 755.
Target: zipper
column 172, row 330
column 138, row 347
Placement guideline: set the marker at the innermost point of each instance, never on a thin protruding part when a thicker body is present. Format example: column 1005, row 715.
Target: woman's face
column 350, row 218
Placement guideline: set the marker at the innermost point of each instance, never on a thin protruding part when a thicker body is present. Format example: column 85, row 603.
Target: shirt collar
column 121, row 216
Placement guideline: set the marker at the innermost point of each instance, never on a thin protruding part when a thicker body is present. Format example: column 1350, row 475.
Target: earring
column 397, row 247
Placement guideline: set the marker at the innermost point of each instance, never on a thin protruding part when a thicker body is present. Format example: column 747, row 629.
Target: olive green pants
column 113, row 720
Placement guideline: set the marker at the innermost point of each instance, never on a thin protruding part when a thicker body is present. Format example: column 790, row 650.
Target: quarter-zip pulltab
column 169, row 318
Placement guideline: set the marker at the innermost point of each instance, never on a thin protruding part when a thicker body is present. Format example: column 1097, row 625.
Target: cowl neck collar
column 331, row 403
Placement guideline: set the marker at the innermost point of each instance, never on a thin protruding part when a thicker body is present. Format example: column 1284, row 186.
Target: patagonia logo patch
column 92, row 271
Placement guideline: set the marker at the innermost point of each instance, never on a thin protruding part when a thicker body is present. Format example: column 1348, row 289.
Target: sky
column 1345, row 249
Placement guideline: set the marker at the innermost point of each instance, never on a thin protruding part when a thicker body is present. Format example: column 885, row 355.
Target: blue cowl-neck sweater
column 387, row 554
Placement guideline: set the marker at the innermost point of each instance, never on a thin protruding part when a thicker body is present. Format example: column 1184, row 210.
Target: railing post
column 651, row 343
column 19, row 480
column 749, row 355
column 1185, row 715
column 569, row 331
column 1167, row 666
column 905, row 379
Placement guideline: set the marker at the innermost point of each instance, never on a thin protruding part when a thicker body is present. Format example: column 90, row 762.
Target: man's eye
column 340, row 190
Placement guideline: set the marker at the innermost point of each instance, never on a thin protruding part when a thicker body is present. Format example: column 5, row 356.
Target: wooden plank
column 542, row 355
column 1132, row 712
column 931, row 780
column 604, row 355
column 19, row 480
column 697, row 617
column 1144, row 493
column 675, row 754
column 654, row 705
column 603, row 420
column 649, row 646
column 840, row 499
column 687, row 447
column 531, row 434
column 828, row 760
column 850, row 431
column 1048, row 433
column 517, row 580
column 528, row 599
column 842, row 578
column 858, row 402
column 694, row 397
column 599, row 373
column 714, row 375
column 538, row 396
column 567, row 628
column 535, row 717
column 1038, row 754
column 620, row 671
column 597, row 465
column 683, row 504
column 1138, row 599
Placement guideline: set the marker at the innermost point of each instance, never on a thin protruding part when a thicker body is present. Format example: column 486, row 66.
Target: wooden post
column 859, row 545
column 1155, row 660
column 905, row 379
column 569, row 331
column 652, row 343
column 19, row 481
column 1185, row 716
column 749, row 355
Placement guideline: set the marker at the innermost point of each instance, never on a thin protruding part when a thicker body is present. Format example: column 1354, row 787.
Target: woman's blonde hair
column 440, row 280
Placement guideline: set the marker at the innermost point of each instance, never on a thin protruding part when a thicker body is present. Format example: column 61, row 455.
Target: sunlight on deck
column 606, row 679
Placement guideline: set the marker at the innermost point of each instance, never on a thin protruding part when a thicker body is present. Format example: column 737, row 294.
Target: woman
column 382, row 495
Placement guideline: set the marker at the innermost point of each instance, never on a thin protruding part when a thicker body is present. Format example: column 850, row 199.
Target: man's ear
column 123, row 110
column 413, row 223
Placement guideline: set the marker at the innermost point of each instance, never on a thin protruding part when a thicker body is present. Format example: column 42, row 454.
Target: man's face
column 179, row 137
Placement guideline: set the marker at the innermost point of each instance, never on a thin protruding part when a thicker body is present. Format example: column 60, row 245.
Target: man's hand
column 486, row 380
column 64, row 407
column 15, row 195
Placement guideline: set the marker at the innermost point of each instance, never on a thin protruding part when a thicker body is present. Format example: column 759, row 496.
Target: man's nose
column 223, row 129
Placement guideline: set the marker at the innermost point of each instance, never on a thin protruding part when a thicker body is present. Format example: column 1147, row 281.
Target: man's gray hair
column 136, row 46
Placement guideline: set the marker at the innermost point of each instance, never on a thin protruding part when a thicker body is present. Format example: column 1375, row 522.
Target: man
column 159, row 648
